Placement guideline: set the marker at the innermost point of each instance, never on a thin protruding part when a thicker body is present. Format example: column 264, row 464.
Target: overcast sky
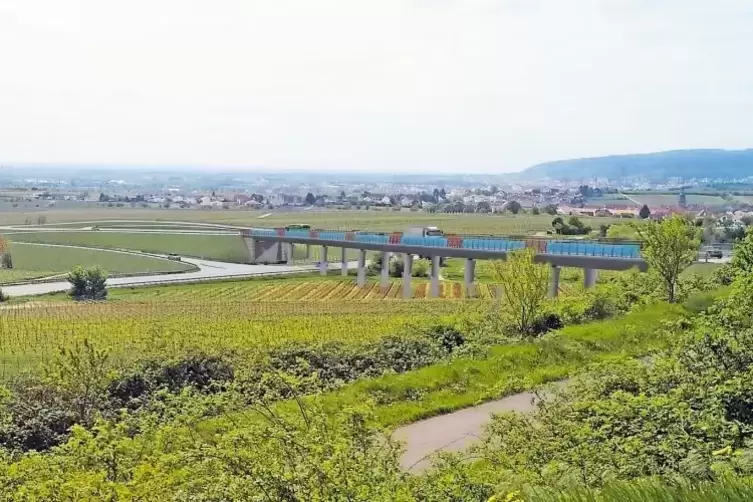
column 395, row 85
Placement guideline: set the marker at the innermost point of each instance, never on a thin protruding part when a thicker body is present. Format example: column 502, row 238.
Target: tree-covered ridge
column 714, row 164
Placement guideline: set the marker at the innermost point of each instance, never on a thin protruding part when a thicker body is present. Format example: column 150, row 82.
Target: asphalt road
column 208, row 270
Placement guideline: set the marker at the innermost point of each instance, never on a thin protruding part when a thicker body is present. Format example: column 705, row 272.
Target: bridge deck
column 487, row 243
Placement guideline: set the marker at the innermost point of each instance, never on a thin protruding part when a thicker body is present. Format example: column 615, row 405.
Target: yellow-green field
column 31, row 334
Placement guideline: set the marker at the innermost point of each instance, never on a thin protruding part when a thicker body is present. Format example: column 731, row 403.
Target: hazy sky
column 399, row 85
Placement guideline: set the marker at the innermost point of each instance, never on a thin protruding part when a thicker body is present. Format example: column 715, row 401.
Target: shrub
column 447, row 337
column 88, row 284
column 7, row 260
column 420, row 268
column 396, row 267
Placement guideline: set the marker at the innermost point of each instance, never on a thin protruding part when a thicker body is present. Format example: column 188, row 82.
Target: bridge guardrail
column 578, row 247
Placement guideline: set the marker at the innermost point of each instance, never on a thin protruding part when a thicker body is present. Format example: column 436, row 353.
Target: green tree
column 514, row 206
column 550, row 209
column 669, row 248
column 645, row 212
column 524, row 286
column 535, row 211
column 742, row 258
column 77, row 279
column 622, row 232
column 6, row 261
column 88, row 283
column 310, row 199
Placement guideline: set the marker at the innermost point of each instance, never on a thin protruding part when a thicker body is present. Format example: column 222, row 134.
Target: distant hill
column 656, row 166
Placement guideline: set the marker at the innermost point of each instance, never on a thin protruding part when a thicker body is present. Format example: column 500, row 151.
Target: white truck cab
column 423, row 232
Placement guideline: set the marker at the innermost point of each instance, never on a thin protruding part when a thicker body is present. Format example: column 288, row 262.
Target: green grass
column 667, row 199
column 726, row 489
column 702, row 269
column 455, row 271
column 17, row 275
column 455, row 384
column 229, row 248
column 384, row 220
column 41, row 261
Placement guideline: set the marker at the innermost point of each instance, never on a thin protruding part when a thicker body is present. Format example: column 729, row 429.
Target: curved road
column 208, row 270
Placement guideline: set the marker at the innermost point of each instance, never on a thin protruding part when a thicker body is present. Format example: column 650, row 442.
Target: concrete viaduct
column 276, row 245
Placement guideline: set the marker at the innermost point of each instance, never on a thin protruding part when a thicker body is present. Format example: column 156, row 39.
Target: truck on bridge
column 425, row 232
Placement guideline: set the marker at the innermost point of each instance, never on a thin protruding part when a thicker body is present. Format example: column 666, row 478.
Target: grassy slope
column 217, row 247
column 30, row 261
column 442, row 388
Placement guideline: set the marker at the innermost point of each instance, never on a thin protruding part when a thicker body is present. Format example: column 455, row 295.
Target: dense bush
column 683, row 415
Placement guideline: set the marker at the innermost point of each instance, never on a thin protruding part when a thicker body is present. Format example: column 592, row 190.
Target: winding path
column 457, row 431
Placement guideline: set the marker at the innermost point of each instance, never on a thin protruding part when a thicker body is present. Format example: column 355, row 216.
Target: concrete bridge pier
column 290, row 250
column 554, row 283
column 323, row 264
column 407, row 274
column 344, row 262
column 308, row 251
column 384, row 281
column 361, row 268
column 435, row 276
column 589, row 277
column 470, row 277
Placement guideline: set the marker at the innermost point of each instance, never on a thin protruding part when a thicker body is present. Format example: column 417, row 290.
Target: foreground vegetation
column 288, row 401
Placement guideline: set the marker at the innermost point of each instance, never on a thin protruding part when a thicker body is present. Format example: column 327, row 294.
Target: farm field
column 17, row 275
column 306, row 289
column 32, row 334
column 229, row 248
column 671, row 199
column 33, row 261
column 331, row 219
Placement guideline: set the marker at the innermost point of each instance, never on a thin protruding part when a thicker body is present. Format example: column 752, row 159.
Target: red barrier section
column 314, row 234
column 454, row 241
column 280, row 231
column 350, row 236
column 395, row 237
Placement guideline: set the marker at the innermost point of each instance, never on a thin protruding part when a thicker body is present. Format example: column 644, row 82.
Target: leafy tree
column 310, row 199
column 524, row 288
column 483, row 207
column 742, row 258
column 88, row 284
column 670, row 247
column 575, row 222
column 622, row 232
column 6, row 261
column 41, row 220
column 550, row 209
column 645, row 212
column 535, row 211
column 3, row 296
column 514, row 206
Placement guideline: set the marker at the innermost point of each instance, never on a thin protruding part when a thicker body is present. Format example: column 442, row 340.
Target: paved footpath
column 455, row 431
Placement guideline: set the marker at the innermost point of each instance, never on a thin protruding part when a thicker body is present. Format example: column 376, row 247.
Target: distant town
column 29, row 189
